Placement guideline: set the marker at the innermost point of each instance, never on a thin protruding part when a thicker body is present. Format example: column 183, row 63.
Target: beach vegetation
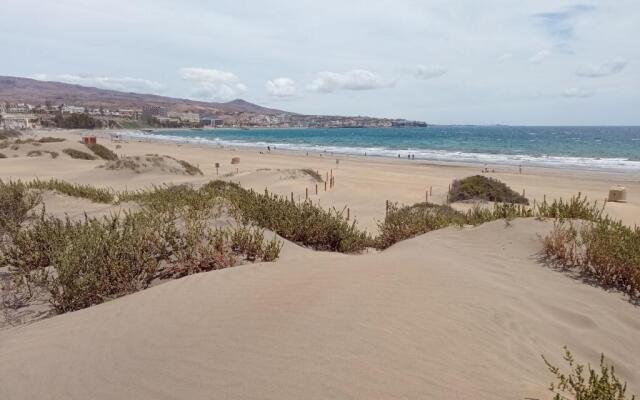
column 78, row 154
column 50, row 139
column 2, row 155
column 77, row 121
column 603, row 251
column 102, row 151
column 482, row 188
column 582, row 382
column 89, row 192
column 313, row 174
column 34, row 153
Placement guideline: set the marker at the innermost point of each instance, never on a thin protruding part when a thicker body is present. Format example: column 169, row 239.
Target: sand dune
column 451, row 314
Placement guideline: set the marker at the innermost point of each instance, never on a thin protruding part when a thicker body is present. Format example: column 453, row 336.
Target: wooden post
column 523, row 193
column 545, row 198
column 348, row 213
column 327, row 178
column 325, row 186
column 291, row 197
column 426, row 196
column 306, row 193
column 431, row 191
column 386, row 210
column 316, row 189
column 332, row 172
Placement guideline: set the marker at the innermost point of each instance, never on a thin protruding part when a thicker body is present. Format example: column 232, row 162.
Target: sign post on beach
column 217, row 167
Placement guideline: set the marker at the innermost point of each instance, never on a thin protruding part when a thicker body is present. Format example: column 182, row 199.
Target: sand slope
column 451, row 314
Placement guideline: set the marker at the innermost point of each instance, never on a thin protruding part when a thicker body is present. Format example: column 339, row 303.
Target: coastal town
column 49, row 115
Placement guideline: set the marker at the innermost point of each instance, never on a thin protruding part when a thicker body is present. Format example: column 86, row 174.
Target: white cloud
column 605, row 69
column 213, row 84
column 429, row 71
column 577, row 92
column 281, row 87
column 357, row 79
column 539, row 57
column 124, row 84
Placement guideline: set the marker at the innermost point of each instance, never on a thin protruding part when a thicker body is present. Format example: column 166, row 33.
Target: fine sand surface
column 451, row 314
column 456, row 313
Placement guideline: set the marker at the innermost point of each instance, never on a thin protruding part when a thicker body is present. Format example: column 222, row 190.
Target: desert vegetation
column 180, row 241
column 82, row 263
column 77, row 154
column 102, row 151
column 480, row 187
column 50, row 139
column 582, row 382
column 97, row 195
column 313, row 174
column 153, row 161
column 2, row 155
column 602, row 250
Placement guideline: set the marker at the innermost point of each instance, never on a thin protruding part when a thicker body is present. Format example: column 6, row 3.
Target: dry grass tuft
column 77, row 154
column 102, row 152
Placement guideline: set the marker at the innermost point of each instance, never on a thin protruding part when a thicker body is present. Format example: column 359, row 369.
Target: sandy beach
column 455, row 313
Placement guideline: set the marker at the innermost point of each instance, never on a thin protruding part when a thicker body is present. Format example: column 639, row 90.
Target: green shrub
column 578, row 207
column 2, row 155
column 408, row 221
column 302, row 223
column 480, row 187
column 97, row 195
column 16, row 205
column 582, row 383
column 603, row 251
column 102, row 152
column 77, row 154
column 50, row 139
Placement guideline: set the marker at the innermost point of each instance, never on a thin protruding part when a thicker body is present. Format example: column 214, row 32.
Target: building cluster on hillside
column 26, row 116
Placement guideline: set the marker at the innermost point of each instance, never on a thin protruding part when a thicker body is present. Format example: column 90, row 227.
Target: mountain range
column 32, row 91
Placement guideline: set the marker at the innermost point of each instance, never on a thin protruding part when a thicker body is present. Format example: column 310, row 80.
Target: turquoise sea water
column 601, row 148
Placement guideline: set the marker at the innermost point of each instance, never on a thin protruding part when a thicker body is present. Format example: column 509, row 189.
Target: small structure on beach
column 235, row 160
column 617, row 193
column 89, row 140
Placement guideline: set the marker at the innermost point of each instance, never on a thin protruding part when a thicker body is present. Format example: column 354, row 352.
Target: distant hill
column 25, row 90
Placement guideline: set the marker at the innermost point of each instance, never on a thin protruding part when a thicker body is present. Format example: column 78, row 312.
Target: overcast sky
column 441, row 61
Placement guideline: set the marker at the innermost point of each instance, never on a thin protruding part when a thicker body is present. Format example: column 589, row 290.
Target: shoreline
column 588, row 164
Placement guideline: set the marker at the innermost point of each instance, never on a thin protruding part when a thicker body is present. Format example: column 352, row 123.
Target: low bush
column 604, row 251
column 50, row 139
column 2, row 155
column 17, row 203
column 77, row 154
column 586, row 383
column 480, row 187
column 302, row 223
column 578, row 207
column 97, row 195
column 313, row 174
column 189, row 168
column 34, row 153
column 102, row 151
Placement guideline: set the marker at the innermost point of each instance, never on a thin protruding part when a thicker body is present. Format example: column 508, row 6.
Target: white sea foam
column 607, row 164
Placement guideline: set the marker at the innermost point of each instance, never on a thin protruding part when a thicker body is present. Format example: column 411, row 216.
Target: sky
column 522, row 62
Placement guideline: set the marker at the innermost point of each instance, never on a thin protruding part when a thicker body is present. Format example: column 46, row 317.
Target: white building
column 72, row 110
column 19, row 121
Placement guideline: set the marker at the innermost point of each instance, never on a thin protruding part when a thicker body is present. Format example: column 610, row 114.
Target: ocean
column 594, row 148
